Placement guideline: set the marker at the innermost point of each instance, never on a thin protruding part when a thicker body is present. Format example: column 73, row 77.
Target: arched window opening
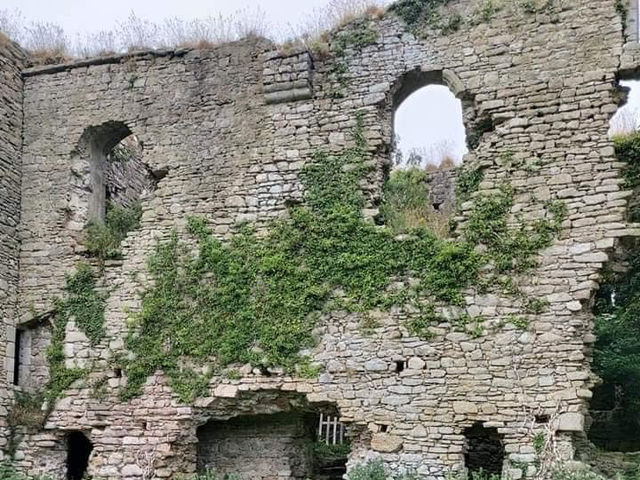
column 429, row 142
column 626, row 121
column 429, row 131
column 484, row 450
column 109, row 179
column 78, row 452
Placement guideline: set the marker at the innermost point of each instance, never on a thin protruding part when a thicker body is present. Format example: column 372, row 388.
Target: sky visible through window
column 429, row 128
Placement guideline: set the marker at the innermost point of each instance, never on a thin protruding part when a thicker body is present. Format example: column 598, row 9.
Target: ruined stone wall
column 441, row 185
column 267, row 447
column 127, row 178
column 233, row 152
column 11, row 85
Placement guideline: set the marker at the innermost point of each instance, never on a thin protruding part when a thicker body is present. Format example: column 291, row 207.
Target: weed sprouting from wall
column 257, row 299
column 102, row 240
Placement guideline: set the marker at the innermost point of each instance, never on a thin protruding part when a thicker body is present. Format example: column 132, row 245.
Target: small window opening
column 17, row 360
column 78, row 452
column 429, row 140
column 383, row 428
column 118, row 373
column 542, row 419
column 401, row 365
column 108, row 174
column 484, row 450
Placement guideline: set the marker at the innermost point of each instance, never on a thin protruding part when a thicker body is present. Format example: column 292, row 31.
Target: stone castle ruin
column 195, row 273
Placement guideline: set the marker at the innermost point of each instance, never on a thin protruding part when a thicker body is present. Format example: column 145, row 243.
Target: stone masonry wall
column 546, row 81
column 11, row 90
column 259, row 447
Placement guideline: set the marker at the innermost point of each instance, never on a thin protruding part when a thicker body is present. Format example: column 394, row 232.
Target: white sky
column 80, row 16
column 430, row 117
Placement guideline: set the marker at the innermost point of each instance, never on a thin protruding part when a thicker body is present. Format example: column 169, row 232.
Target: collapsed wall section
column 12, row 60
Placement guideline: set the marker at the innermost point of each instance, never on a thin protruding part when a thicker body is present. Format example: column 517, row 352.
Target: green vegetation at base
column 103, row 239
column 258, row 297
column 375, row 470
column 8, row 472
column 406, row 204
column 213, row 475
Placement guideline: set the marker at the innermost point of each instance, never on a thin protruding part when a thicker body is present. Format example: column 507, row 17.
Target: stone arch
column 107, row 168
column 413, row 80
column 258, row 433
column 87, row 200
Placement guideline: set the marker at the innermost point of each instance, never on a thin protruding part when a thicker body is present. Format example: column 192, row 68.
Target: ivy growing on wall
column 85, row 305
column 356, row 35
column 258, row 298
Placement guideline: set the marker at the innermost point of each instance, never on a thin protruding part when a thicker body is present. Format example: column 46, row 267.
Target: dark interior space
column 78, row 451
column 484, row 450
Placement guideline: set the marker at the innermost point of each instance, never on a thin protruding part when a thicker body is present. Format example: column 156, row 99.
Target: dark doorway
column 78, row 450
column 485, row 451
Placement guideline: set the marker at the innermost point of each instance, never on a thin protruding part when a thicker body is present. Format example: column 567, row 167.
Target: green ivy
column 257, row 298
column 417, row 14
column 617, row 348
column 467, row 182
column 86, row 306
column 103, row 239
column 357, row 35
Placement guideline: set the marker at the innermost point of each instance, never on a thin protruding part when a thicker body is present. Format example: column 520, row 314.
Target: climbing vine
column 357, row 35
column 257, row 298
column 85, row 305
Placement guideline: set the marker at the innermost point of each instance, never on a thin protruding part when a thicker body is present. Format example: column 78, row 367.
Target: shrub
column 406, row 203
column 371, row 470
column 581, row 472
column 212, row 475
column 103, row 240
column 26, row 411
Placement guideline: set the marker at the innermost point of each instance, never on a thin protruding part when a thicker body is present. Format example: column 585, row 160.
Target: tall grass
column 335, row 13
column 48, row 42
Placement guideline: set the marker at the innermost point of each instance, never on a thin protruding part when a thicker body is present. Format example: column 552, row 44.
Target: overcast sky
column 429, row 117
